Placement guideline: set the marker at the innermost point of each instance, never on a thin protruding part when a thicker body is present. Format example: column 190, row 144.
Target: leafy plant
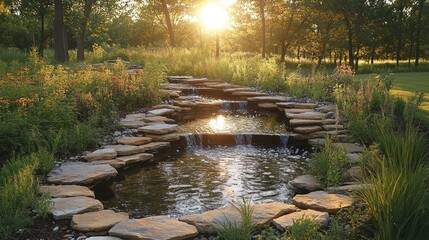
column 303, row 229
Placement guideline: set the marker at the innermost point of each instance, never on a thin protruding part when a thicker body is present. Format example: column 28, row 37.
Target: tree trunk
column 82, row 30
column 357, row 59
column 61, row 50
column 350, row 40
column 42, row 30
column 399, row 34
column 419, row 28
column 168, row 21
column 298, row 53
column 262, row 13
column 283, row 53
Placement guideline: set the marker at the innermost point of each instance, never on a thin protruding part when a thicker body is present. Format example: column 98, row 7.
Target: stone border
column 72, row 199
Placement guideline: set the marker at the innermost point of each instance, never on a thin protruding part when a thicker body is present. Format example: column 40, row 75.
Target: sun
column 214, row 16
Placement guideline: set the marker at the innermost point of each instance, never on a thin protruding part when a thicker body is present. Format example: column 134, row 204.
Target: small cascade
column 284, row 139
column 248, row 138
column 243, row 139
column 193, row 140
column 226, row 106
column 194, row 91
column 242, row 106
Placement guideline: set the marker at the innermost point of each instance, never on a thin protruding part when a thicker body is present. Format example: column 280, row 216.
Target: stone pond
column 173, row 171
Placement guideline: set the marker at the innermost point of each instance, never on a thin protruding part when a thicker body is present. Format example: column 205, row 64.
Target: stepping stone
column 224, row 86
column 171, row 93
column 308, row 106
column 286, row 221
column 296, row 110
column 230, row 90
column 160, row 106
column 97, row 221
column 103, row 238
column 307, row 183
column 65, row 208
column 322, row 201
column 270, row 99
column 317, row 141
column 326, row 108
column 179, row 77
column 304, row 122
column 60, row 191
column 307, row 115
column 354, row 157
column 115, row 163
column 185, row 103
column 158, row 119
column 154, row 146
column 126, row 123
column 351, row 147
column 198, row 80
column 307, row 129
column 165, row 137
column 134, row 140
column 159, row 129
column 101, row 154
column 248, row 94
column 267, row 105
column 124, row 150
column 262, row 214
column 135, row 116
column 161, row 111
column 347, row 189
column 332, row 127
column 80, row 173
column 141, row 157
column 153, row 228
column 355, row 173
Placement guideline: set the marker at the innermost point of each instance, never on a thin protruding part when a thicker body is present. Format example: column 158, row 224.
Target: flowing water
column 195, row 179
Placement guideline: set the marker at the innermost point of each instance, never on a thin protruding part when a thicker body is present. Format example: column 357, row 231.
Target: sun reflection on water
column 217, row 123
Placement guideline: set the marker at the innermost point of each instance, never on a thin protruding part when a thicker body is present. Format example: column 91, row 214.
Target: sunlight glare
column 217, row 123
column 214, row 17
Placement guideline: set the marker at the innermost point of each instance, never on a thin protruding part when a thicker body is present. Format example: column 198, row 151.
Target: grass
column 231, row 230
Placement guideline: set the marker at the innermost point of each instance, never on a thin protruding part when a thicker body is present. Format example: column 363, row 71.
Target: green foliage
column 43, row 205
column 328, row 164
column 243, row 230
column 303, row 229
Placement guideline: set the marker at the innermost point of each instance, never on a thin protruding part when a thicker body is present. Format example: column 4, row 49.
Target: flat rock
column 125, row 150
column 141, row 157
column 270, row 99
column 267, row 105
column 296, row 110
column 307, row 183
column 332, row 127
column 230, row 90
column 248, row 94
column 171, row 93
column 134, row 140
column 224, row 86
column 59, row 191
column 317, row 141
column 322, row 201
column 347, row 189
column 351, row 147
column 307, row 115
column 65, row 208
column 158, row 119
column 262, row 214
column 161, row 111
column 286, row 221
column 304, row 105
column 159, row 129
column 165, row 137
column 354, row 157
column 101, row 154
column 307, row 129
column 160, row 106
column 80, row 173
column 115, row 163
column 135, row 116
column 355, row 173
column 103, row 238
column 97, row 221
column 154, row 146
column 326, row 108
column 126, row 123
column 153, row 228
column 305, row 122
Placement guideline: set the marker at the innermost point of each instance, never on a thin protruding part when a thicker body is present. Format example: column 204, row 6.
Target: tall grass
column 242, row 230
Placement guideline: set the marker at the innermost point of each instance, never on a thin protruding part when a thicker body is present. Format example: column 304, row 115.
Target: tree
column 82, row 30
column 168, row 22
column 420, row 8
column 61, row 48
column 261, row 4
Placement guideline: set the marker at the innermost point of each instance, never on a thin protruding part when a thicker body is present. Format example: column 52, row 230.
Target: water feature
column 193, row 180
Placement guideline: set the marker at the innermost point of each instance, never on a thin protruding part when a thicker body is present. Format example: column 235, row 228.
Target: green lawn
column 406, row 84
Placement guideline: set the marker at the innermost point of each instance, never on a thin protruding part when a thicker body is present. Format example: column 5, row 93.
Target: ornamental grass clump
column 244, row 229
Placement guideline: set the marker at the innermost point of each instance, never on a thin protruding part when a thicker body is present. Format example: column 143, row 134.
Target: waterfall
column 284, row 139
column 193, row 140
column 194, row 91
column 248, row 138
column 242, row 106
column 243, row 139
column 226, row 106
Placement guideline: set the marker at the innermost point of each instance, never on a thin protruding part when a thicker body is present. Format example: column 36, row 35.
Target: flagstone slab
column 267, row 105
column 160, row 106
column 141, row 157
column 231, row 90
column 103, row 238
column 80, row 173
column 307, row 183
column 134, row 140
column 127, row 123
column 248, row 94
column 158, row 119
column 124, row 150
column 262, row 214
column 154, row 146
column 65, row 208
column 286, row 221
column 347, row 189
column 322, row 201
column 295, row 110
column 307, row 115
column 159, row 129
column 115, row 163
column 326, row 108
column 332, row 127
column 270, row 99
column 58, row 191
column 153, row 228
column 101, row 154
column 135, row 116
column 165, row 137
column 307, row 129
column 305, row 122
column 97, row 221
column 161, row 111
